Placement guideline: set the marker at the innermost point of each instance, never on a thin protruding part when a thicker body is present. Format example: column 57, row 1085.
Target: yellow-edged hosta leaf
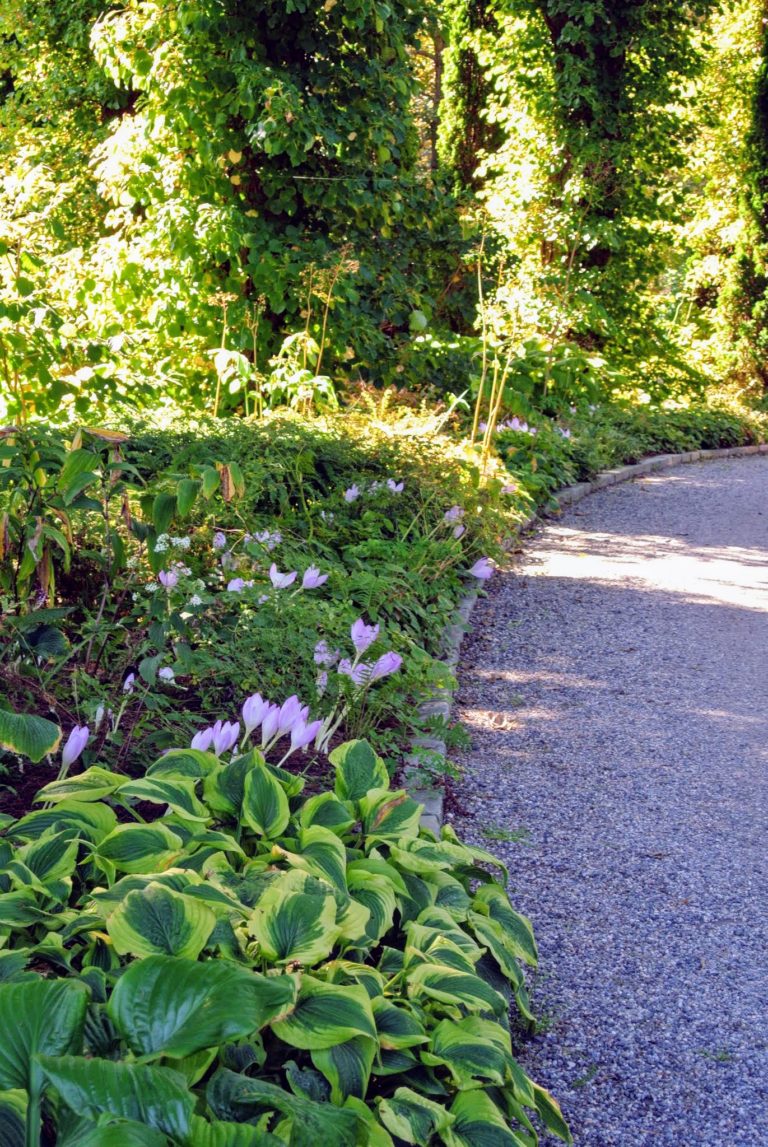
column 159, row 921
column 326, row 1015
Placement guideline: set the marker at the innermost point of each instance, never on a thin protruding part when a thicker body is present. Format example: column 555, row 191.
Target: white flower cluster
column 164, row 541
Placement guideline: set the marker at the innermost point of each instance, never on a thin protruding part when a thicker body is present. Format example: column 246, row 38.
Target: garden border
column 441, row 702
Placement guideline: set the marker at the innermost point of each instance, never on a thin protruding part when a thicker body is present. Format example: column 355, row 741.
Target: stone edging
column 440, row 704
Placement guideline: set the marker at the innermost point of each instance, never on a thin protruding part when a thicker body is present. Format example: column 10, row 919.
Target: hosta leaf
column 377, row 894
column 477, row 1119
column 347, row 1067
column 179, row 879
column 322, row 854
column 326, row 810
column 18, row 909
column 492, row 901
column 397, row 1027
column 378, row 867
column 551, row 1115
column 414, row 1118
column 352, row 922
column 184, row 763
column 85, row 1133
column 389, row 816
column 38, row 1016
column 92, row 785
column 293, row 922
column 358, row 770
column 92, row 821
column 222, row 1134
column 13, row 1113
column 350, row 972
column 326, row 1015
column 140, row 847
column 471, row 1049
column 176, row 1006
column 449, row 986
column 448, row 836
column 239, row 1097
column 159, row 921
column 50, row 858
column 154, row 1096
column 376, row 1135
column 179, row 795
column 28, row 735
column 265, row 805
column 224, row 787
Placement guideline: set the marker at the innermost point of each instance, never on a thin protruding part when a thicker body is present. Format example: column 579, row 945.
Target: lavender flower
column 238, row 584
column 358, row 674
column 458, row 531
column 386, row 664
column 510, row 488
column 482, row 569
column 203, row 740
column 313, row 578
column 269, row 724
column 302, row 734
column 76, row 742
column 281, row 580
column 254, row 710
column 219, row 540
column 225, row 735
column 290, row 713
column 352, row 494
column 166, row 673
column 363, row 635
column 455, row 514
column 321, row 684
column 325, row 656
column 395, row 487
column 168, row 578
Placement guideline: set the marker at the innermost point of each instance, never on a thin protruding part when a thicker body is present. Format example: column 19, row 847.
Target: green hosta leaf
column 92, row 821
column 159, row 921
column 451, row 895
column 351, row 972
column 265, row 805
column 492, row 901
column 378, row 867
column 329, row 812
column 154, row 1096
column 347, row 1067
column 86, row 1133
column 140, row 847
column 358, row 770
column 376, row 1135
column 551, row 1115
column 177, row 1007
column 13, row 1115
column 326, row 1015
column 310, row 1124
column 389, row 816
column 184, row 763
column 414, row 1118
column 448, row 836
column 471, row 1049
column 377, row 894
column 179, row 879
column 38, row 1016
column 18, row 909
column 28, row 735
column 477, row 1119
column 224, row 787
column 449, row 986
column 321, row 854
column 92, row 785
column 50, row 858
column 396, row 1026
column 352, row 922
column 221, row 1134
column 179, row 795
column 295, row 921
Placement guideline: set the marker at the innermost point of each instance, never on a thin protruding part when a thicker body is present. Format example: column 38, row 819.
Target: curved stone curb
column 441, row 703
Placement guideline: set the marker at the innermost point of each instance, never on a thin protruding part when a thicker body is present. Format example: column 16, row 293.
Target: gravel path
column 615, row 691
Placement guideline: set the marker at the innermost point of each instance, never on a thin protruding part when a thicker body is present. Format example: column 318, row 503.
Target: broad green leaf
column 376, row 1135
column 13, row 1116
column 223, row 1134
column 38, row 1016
column 176, row 1007
column 90, row 820
column 321, row 854
column 178, row 879
column 159, row 921
column 164, row 510
column 377, row 894
column 472, row 1049
column 389, row 816
column 347, row 1067
column 551, row 1115
column 477, row 1119
column 378, row 867
column 481, row 855
column 492, row 901
column 352, row 922
column 414, row 1118
column 224, row 786
column 75, row 463
column 397, row 1028
column 449, row 986
column 351, row 972
column 28, row 735
column 358, row 770
column 140, row 847
column 265, row 805
column 154, row 1096
column 186, row 493
column 75, row 1132
column 240, row 1097
column 178, row 794
column 21, row 908
column 184, row 763
column 326, row 1015
column 50, row 858
column 92, row 785
column 295, row 921
column 326, row 810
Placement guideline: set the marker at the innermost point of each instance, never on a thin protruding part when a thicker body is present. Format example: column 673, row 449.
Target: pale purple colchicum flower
column 203, row 740
column 321, row 684
column 281, row 580
column 129, row 683
column 269, row 724
column 219, row 540
column 166, row 673
column 325, row 656
column 313, row 578
column 455, row 514
column 76, row 742
column 363, row 635
column 352, row 494
column 254, row 710
column 510, row 488
column 238, row 584
column 225, row 735
column 358, row 674
column 302, row 734
column 386, row 664
column 395, row 487
column 482, row 569
column 265, row 538
column 458, row 531
column 168, row 578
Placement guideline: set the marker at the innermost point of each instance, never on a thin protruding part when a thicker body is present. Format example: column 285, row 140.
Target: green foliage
column 216, row 969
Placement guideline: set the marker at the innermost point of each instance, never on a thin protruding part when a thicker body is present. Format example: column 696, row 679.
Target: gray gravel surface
column 614, row 688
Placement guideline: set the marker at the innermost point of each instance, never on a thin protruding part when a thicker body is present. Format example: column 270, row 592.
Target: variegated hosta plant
column 254, row 967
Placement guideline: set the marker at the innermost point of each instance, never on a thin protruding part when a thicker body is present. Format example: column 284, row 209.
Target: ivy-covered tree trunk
column 465, row 132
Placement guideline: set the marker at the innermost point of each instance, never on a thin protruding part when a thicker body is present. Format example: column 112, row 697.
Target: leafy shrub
column 256, row 967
